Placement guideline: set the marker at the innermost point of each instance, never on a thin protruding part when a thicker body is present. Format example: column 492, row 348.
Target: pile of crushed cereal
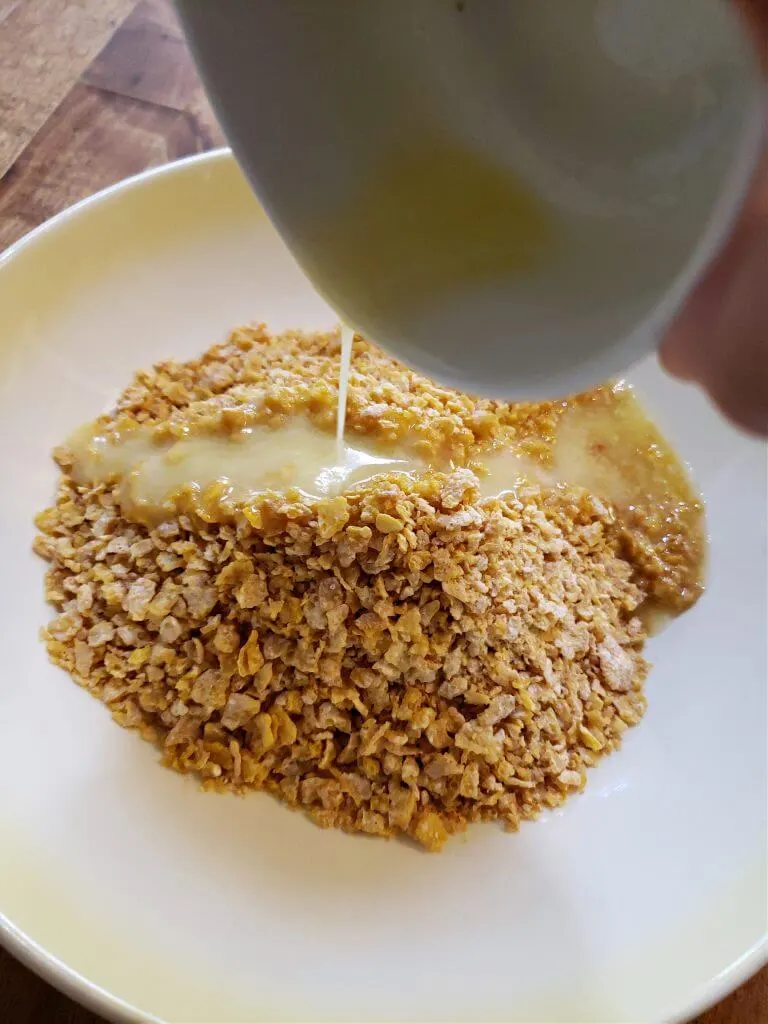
column 402, row 658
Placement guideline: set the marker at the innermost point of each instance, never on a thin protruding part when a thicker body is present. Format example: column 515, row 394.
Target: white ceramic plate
column 642, row 900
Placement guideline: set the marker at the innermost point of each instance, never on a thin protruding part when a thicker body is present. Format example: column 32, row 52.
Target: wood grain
column 748, row 1005
column 148, row 60
column 92, row 91
column 94, row 139
column 26, row 999
column 45, row 45
column 137, row 105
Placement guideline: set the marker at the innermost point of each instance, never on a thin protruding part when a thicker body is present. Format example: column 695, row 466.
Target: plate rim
column 82, row 989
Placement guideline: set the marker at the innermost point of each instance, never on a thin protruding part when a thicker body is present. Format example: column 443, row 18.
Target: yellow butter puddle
column 604, row 444
column 257, row 459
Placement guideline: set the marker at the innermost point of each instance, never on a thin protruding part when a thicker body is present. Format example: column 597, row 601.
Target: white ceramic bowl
column 642, row 900
column 401, row 147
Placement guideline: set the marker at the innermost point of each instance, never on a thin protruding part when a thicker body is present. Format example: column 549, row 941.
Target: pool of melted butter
column 246, row 464
column 605, row 444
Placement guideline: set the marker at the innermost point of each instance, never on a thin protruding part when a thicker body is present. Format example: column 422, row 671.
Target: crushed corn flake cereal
column 405, row 658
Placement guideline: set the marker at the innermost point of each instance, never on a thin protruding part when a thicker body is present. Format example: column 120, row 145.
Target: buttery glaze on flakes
column 602, row 442
column 226, row 471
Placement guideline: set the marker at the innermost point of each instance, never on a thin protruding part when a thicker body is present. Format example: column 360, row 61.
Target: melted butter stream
column 347, row 340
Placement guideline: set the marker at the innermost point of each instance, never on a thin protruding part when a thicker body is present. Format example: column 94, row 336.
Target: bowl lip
column 645, row 335
column 84, row 990
column 642, row 337
column 222, row 154
column 67, row 980
column 725, row 983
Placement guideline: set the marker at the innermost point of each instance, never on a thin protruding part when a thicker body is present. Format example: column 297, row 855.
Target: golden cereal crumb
column 402, row 659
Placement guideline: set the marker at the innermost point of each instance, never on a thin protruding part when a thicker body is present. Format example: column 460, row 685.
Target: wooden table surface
column 92, row 91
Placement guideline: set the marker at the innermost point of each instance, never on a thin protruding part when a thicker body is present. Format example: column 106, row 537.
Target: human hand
column 720, row 338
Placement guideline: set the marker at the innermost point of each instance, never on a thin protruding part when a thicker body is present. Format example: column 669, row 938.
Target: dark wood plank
column 27, row 999
column 45, row 45
column 94, row 139
column 147, row 59
column 748, row 1005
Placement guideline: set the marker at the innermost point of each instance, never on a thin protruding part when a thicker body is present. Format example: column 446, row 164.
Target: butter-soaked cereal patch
column 403, row 658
